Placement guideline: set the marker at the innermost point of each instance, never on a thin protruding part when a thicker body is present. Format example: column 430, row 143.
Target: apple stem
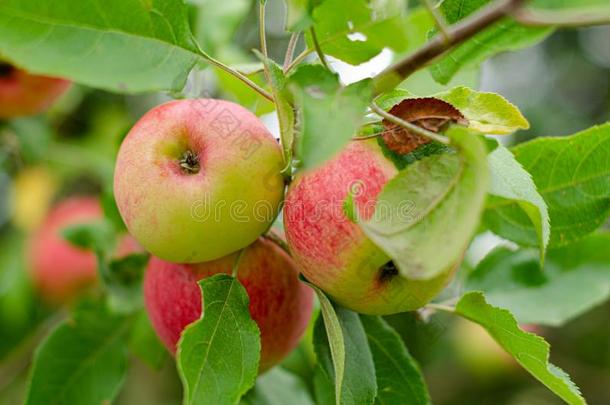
column 189, row 162
column 236, row 262
column 440, row 307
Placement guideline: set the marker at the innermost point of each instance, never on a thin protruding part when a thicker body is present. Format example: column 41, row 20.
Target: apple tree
column 298, row 269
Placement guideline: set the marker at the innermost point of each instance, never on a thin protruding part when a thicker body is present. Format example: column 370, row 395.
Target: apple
column 60, row 270
column 23, row 94
column 198, row 179
column 333, row 252
column 280, row 304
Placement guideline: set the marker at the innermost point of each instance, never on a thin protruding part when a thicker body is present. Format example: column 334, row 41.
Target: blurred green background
column 562, row 86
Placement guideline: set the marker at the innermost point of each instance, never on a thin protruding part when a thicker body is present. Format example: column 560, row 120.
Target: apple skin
column 59, row 270
column 191, row 217
column 280, row 304
column 24, row 94
column 333, row 252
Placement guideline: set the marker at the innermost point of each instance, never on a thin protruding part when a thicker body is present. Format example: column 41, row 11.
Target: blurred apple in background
column 24, row 94
column 61, row 271
column 33, row 190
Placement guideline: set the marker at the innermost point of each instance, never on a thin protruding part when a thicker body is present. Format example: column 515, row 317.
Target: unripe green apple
column 196, row 180
column 60, row 270
column 333, row 252
column 23, row 94
column 279, row 303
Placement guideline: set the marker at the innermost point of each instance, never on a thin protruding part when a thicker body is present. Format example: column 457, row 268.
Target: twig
column 316, row 46
column 540, row 18
column 439, row 20
column 234, row 73
column 370, row 136
column 298, row 59
column 263, row 39
column 411, row 127
column 458, row 33
column 292, row 43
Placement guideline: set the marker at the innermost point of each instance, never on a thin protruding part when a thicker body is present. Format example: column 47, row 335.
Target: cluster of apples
column 196, row 181
column 199, row 183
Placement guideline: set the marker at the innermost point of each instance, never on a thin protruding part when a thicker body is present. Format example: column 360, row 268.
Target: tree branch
column 540, row 18
column 456, row 34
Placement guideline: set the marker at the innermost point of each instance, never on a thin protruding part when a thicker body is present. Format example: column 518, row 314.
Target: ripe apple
column 196, row 180
column 279, row 303
column 60, row 270
column 23, row 94
column 333, row 252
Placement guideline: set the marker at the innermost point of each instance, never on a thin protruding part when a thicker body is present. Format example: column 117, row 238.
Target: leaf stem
column 370, row 136
column 440, row 307
column 292, row 43
column 317, row 47
column 263, row 38
column 407, row 125
column 298, row 59
column 275, row 238
column 236, row 262
column 457, row 33
column 540, row 18
column 235, row 73
column 439, row 20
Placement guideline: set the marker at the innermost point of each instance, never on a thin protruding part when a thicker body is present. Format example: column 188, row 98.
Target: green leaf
column 278, row 387
column 505, row 35
column 83, row 361
column 118, row 45
column 344, row 358
column 361, row 30
column 510, row 182
column 399, row 378
column 572, row 5
column 435, row 203
column 330, row 114
column 298, row 15
column 218, row 355
column 95, row 236
column 489, row 113
column 358, row 384
column 285, row 112
column 144, row 342
column 216, row 22
column 123, row 280
column 530, row 351
column 573, row 176
column 574, row 279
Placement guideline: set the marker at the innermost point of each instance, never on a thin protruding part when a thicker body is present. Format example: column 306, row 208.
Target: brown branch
column 542, row 18
column 456, row 34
